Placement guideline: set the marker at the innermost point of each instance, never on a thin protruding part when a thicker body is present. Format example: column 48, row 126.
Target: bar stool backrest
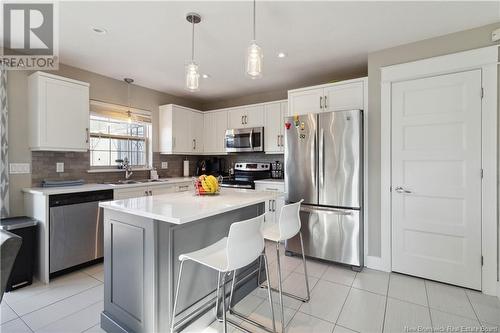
column 245, row 242
column 289, row 221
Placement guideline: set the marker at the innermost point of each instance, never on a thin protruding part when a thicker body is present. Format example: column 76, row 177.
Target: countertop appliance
column 75, row 228
column 245, row 175
column 324, row 166
column 244, row 140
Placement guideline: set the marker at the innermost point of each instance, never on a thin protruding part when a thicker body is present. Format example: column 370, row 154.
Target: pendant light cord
column 192, row 39
column 254, row 19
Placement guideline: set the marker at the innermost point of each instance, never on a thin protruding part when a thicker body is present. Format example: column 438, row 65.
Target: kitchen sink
column 140, row 181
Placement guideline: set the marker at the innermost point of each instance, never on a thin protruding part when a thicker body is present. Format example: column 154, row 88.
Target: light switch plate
column 19, row 168
column 164, row 165
column 59, row 167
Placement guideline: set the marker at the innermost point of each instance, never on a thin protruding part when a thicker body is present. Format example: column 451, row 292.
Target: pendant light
column 192, row 70
column 129, row 113
column 254, row 54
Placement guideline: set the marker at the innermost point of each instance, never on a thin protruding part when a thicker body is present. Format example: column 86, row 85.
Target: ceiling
column 150, row 41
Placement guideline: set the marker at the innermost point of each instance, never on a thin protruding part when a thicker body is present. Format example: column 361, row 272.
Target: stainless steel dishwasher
column 75, row 228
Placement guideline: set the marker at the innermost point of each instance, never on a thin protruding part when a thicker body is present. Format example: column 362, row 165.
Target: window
column 115, row 135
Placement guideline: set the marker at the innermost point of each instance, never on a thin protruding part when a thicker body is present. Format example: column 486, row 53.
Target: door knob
column 399, row 189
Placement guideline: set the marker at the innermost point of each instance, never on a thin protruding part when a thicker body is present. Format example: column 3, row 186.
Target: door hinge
column 482, row 92
column 482, row 261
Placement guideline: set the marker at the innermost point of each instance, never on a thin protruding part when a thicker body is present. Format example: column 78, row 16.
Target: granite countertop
column 98, row 187
column 183, row 207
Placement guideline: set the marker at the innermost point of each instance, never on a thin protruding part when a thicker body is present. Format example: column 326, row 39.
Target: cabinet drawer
column 274, row 187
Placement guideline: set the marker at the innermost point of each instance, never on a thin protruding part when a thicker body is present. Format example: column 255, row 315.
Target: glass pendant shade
column 192, row 76
column 254, row 60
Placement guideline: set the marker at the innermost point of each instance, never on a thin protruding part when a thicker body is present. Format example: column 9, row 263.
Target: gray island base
column 141, row 251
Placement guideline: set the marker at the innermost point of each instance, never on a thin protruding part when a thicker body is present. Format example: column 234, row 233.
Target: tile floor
column 341, row 301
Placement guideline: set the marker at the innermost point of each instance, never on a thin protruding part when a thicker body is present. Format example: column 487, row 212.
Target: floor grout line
column 473, row 309
column 62, row 299
column 428, row 304
column 386, row 301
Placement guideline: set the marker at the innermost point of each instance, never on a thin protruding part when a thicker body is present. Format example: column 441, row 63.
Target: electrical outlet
column 495, row 35
column 164, row 165
column 19, row 168
column 59, row 167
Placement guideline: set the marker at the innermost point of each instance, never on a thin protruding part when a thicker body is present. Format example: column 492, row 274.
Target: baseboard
column 376, row 263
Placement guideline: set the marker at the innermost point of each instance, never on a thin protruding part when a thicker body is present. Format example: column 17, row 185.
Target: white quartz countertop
column 270, row 181
column 183, row 207
column 97, row 187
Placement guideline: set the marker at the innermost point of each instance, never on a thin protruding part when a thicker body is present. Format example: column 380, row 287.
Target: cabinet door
column 254, row 116
column 196, row 131
column 64, row 117
column 181, row 136
column 236, row 118
column 220, row 131
column 209, row 135
column 159, row 189
column 344, row 97
column 272, row 128
column 127, row 193
column 305, row 101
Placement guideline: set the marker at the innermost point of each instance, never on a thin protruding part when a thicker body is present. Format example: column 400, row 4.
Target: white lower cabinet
column 273, row 207
column 142, row 191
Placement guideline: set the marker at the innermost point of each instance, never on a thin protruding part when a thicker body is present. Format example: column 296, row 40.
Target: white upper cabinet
column 273, row 129
column 58, row 113
column 180, row 130
column 214, row 132
column 246, row 116
column 305, row 101
column 347, row 96
column 344, row 95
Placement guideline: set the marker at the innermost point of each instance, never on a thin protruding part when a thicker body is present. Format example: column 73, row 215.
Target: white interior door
column 436, row 178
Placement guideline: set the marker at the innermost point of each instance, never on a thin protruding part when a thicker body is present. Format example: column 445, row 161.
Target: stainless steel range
column 245, row 175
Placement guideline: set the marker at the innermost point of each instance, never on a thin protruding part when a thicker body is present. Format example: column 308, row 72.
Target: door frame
column 486, row 59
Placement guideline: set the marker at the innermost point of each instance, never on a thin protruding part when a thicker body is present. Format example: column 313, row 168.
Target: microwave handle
column 251, row 138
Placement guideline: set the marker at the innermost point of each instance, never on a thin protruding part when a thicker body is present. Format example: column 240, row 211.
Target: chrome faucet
column 127, row 167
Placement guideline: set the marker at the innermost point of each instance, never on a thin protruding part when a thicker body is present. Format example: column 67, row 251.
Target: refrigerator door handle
column 313, row 162
column 321, row 158
column 311, row 209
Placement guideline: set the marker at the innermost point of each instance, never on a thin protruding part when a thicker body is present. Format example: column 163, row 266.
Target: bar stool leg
column 280, row 287
column 305, row 269
column 217, row 299
column 224, row 319
column 269, row 290
column 260, row 265
column 175, row 299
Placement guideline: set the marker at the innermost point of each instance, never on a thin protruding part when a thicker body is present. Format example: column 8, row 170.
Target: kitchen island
column 143, row 238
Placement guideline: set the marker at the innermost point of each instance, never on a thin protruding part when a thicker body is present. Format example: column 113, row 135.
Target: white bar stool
column 243, row 245
column 288, row 226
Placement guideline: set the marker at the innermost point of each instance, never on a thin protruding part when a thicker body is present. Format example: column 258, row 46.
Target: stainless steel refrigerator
column 324, row 166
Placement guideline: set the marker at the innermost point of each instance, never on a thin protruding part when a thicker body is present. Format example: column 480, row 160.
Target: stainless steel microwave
column 244, row 139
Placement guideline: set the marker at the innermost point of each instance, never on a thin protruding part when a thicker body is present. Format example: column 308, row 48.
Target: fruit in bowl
column 206, row 185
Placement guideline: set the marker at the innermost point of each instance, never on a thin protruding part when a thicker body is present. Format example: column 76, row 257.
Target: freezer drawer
column 330, row 234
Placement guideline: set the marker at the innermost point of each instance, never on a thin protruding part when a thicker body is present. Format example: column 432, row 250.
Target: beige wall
column 452, row 43
column 101, row 88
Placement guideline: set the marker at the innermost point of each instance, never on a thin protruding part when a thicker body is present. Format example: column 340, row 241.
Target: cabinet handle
column 326, row 99
column 146, row 193
column 87, row 135
column 278, row 140
column 173, row 142
column 271, row 189
column 246, row 120
column 242, row 122
column 320, row 102
column 194, row 144
column 150, row 192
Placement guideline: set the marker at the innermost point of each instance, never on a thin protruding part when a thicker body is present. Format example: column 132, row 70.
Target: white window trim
column 485, row 59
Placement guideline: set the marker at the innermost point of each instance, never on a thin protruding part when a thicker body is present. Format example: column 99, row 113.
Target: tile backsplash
column 77, row 164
